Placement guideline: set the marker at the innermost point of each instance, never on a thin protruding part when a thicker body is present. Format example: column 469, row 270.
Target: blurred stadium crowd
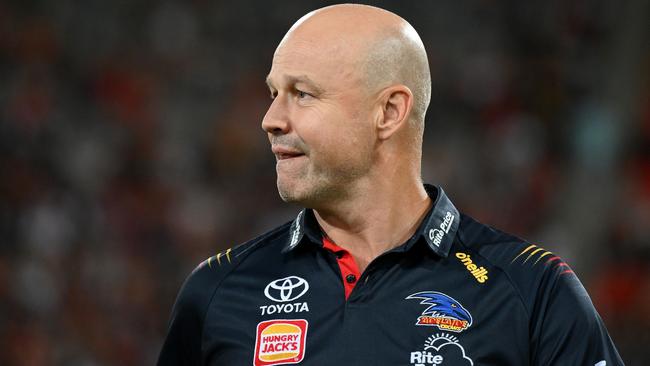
column 131, row 149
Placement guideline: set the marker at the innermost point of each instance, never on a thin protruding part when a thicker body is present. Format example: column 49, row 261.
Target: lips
column 288, row 156
column 285, row 153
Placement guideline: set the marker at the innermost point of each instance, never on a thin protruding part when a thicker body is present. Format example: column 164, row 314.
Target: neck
column 376, row 217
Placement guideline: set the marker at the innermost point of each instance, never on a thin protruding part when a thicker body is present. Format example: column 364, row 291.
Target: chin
column 291, row 192
column 314, row 197
column 288, row 192
column 286, row 196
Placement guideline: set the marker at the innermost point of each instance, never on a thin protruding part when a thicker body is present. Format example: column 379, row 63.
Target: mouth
column 282, row 153
column 287, row 156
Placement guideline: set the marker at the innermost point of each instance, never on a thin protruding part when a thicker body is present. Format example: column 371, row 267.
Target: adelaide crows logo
column 443, row 312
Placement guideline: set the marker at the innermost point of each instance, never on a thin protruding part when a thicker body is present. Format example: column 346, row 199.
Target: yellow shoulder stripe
column 523, row 252
column 219, row 256
column 532, row 253
column 542, row 256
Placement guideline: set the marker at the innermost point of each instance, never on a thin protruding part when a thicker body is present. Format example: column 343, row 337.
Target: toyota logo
column 286, row 289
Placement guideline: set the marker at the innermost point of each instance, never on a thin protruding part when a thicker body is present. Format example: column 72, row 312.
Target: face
column 319, row 123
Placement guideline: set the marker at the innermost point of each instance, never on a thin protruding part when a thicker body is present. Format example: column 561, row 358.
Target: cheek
column 335, row 131
column 326, row 129
column 342, row 139
column 311, row 126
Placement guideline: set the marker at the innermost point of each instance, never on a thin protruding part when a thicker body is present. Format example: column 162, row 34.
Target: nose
column 276, row 119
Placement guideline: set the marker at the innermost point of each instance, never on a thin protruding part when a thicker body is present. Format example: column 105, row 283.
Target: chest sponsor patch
column 441, row 349
column 284, row 292
column 442, row 311
column 280, row 342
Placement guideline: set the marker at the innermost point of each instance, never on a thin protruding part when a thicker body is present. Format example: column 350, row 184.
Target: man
column 379, row 269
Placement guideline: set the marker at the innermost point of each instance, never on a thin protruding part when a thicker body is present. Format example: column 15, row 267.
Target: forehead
column 329, row 64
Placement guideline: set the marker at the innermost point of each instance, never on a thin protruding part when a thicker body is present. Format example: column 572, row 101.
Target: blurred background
column 131, row 150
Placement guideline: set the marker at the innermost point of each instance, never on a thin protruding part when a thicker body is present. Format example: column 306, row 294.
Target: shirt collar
column 438, row 229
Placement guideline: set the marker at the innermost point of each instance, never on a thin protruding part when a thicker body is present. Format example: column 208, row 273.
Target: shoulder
column 201, row 284
column 183, row 341
column 557, row 304
column 208, row 275
column 528, row 267
column 508, row 252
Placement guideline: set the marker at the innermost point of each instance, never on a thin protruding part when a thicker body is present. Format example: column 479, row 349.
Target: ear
column 396, row 103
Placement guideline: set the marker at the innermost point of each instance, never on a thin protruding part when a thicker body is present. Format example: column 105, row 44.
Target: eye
column 302, row 95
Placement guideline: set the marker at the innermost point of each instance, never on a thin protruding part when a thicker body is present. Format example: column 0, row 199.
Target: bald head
column 350, row 86
column 381, row 46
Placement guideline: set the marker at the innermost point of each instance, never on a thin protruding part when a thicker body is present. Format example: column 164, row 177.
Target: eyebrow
column 292, row 80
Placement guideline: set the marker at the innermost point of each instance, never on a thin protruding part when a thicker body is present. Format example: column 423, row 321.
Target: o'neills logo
column 480, row 273
column 280, row 341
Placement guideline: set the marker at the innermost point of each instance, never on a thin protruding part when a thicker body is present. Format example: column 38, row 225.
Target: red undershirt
column 349, row 270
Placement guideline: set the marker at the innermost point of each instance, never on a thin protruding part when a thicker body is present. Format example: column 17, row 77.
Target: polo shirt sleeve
column 567, row 329
column 182, row 345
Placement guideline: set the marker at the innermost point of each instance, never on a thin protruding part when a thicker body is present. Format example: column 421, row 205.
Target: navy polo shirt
column 458, row 292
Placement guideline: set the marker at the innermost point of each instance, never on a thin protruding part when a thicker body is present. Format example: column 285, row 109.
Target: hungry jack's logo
column 443, row 312
column 280, row 341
